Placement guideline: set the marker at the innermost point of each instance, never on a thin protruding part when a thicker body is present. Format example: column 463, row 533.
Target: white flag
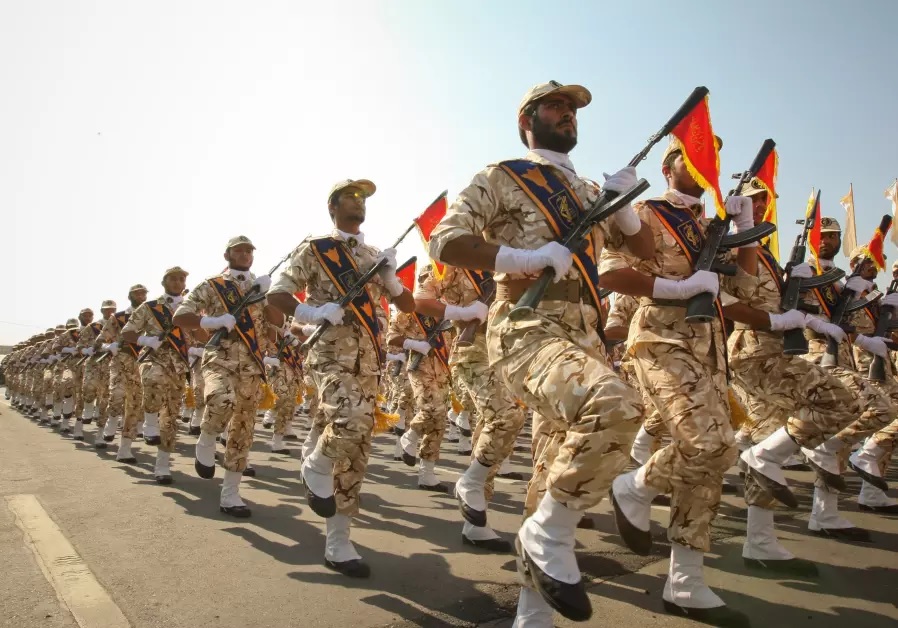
column 849, row 236
column 892, row 195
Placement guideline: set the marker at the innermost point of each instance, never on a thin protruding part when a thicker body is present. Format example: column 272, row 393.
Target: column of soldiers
column 663, row 398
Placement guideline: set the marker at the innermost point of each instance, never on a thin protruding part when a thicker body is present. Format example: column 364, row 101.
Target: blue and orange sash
column 769, row 261
column 483, row 283
column 561, row 208
column 341, row 268
column 121, row 318
column 291, row 357
column 828, row 298
column 175, row 334
column 427, row 323
column 230, row 295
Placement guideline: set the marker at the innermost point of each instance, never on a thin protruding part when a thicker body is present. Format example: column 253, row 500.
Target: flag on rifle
column 849, row 236
column 874, row 250
column 426, row 223
column 767, row 178
column 700, row 149
column 407, row 276
column 814, row 234
column 892, row 195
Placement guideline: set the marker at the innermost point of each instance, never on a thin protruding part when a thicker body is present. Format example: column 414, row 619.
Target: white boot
column 90, row 411
column 768, row 456
column 57, row 412
column 641, row 450
column 64, row 423
column 464, row 445
column 124, row 450
column 268, row 419
column 867, row 458
column 634, row 498
column 409, row 442
column 205, row 450
column 464, row 423
column 68, row 406
column 685, row 584
column 397, row 450
column 230, row 490
column 111, row 427
column 471, row 486
column 533, row 611
column 872, row 497
column 162, row 469
column 337, row 546
column 505, row 467
column 318, row 474
column 140, row 428
column 477, row 533
column 825, row 455
column 825, row 512
column 452, row 433
column 310, row 443
column 277, row 444
column 197, row 419
column 548, row 538
column 78, row 433
column 150, row 425
column 427, row 476
column 288, row 432
column 760, row 537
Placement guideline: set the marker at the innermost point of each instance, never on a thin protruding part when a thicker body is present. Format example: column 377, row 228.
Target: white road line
column 75, row 584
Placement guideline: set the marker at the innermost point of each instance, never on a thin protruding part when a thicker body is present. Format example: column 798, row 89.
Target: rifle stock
column 414, row 361
column 877, row 370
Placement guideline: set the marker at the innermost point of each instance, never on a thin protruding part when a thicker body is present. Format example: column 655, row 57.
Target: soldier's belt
column 567, row 290
column 643, row 301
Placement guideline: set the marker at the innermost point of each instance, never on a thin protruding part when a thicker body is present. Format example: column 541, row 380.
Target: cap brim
column 367, row 187
column 580, row 96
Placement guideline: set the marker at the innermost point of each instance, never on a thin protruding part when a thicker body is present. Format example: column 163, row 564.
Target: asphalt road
column 165, row 556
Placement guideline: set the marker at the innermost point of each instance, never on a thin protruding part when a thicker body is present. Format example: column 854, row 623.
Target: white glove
column 682, row 289
column 421, row 346
column 740, row 210
column 271, row 362
column 872, row 344
column 476, row 311
column 69, row 350
column 858, row 285
column 793, row 319
column 111, row 347
column 802, row 271
column 529, row 262
column 195, row 352
column 264, row 283
column 396, row 357
column 330, row 312
column 149, row 341
column 89, row 351
column 387, row 274
column 225, row 321
column 889, row 300
column 827, row 329
column 308, row 330
column 292, row 340
column 620, row 182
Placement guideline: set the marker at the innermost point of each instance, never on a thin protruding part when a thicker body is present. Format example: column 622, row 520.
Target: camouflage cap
column 579, row 94
column 174, row 270
column 241, row 239
column 367, row 187
column 137, row 287
column 72, row 323
column 108, row 304
column 58, row 329
column 829, row 225
column 754, row 187
column 676, row 146
column 86, row 310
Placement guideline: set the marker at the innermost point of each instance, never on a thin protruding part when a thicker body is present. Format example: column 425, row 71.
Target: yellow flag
column 892, row 195
column 849, row 236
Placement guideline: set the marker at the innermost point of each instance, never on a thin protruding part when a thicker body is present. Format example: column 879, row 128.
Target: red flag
column 426, row 223
column 874, row 249
column 767, row 178
column 813, row 214
column 407, row 276
column 385, row 305
column 698, row 145
column 301, row 295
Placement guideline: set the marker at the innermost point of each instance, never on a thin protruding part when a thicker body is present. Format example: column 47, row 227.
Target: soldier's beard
column 547, row 137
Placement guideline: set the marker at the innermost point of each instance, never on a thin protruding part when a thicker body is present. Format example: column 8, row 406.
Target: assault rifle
column 877, row 372
column 414, row 362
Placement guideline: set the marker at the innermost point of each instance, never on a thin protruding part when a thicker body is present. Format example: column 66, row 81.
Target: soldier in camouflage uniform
column 196, row 382
column 345, row 363
column 163, row 368
column 76, row 367
column 233, row 371
column 49, row 376
column 551, row 359
column 64, row 376
column 682, row 369
column 95, row 386
column 286, row 381
column 401, row 400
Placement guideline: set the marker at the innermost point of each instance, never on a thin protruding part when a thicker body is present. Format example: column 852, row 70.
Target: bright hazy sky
column 139, row 135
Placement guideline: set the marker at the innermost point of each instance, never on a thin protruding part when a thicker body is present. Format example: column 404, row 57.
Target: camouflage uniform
column 682, row 369
column 124, row 379
column 552, row 360
column 285, row 383
column 95, row 387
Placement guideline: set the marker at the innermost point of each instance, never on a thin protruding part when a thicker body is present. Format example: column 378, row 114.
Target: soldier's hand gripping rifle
column 847, row 304
column 700, row 308
column 466, row 337
column 884, row 324
column 414, row 362
column 351, row 295
column 794, row 341
column 604, row 206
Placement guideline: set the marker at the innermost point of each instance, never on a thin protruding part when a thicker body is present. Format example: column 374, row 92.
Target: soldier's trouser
column 430, row 387
column 557, row 371
column 199, row 387
column 162, row 387
column 498, row 418
column 317, row 418
column 47, row 388
column 285, row 386
column 231, row 397
column 78, row 372
column 858, row 430
column 66, row 386
column 96, row 389
column 690, row 392
column 547, row 439
column 124, row 392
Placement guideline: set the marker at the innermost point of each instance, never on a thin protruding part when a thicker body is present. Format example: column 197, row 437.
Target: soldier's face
column 137, row 297
column 239, row 257
column 678, row 178
column 759, row 206
column 86, row 318
column 174, row 284
column 554, row 125
column 107, row 312
column 830, row 243
column 868, row 270
column 349, row 208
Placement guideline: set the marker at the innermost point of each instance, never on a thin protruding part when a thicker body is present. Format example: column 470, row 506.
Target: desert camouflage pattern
column 285, row 383
column 125, row 396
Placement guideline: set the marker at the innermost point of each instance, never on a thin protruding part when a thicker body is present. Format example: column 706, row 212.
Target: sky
column 137, row 136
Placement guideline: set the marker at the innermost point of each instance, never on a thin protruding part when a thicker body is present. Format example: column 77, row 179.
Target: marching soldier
column 345, row 364
column 163, row 367
column 65, row 384
column 681, row 367
column 234, row 370
column 509, row 220
column 124, row 378
column 286, row 380
column 76, row 366
column 95, row 387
